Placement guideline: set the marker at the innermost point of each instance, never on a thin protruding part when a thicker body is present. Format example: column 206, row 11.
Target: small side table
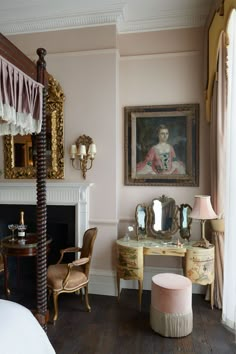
column 18, row 248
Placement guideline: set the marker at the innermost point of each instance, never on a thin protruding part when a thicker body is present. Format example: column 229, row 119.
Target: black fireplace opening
column 60, row 229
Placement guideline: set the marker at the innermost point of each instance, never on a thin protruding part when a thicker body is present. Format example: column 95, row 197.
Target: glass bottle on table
column 21, row 226
column 22, row 220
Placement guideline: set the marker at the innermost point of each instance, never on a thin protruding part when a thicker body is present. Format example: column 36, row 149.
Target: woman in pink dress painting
column 161, row 158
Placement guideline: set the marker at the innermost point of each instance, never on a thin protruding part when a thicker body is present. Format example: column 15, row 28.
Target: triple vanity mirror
column 162, row 219
column 185, row 221
column 20, row 151
column 141, row 217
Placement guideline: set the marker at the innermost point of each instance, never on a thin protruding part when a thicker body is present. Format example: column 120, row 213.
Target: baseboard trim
column 103, row 282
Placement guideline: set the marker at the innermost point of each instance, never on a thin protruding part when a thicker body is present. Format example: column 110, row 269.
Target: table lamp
column 202, row 210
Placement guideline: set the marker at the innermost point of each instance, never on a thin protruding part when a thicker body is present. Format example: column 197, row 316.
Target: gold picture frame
column 14, row 169
column 172, row 161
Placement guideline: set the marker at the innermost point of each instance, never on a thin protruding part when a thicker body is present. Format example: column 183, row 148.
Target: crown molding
column 116, row 13
column 90, row 18
column 166, row 20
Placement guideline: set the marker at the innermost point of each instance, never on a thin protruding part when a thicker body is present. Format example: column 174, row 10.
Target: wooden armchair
column 71, row 277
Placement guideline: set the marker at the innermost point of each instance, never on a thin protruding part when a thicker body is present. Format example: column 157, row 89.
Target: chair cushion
column 57, row 273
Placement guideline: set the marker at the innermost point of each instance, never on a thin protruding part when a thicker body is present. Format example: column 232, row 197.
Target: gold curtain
column 216, row 107
column 218, row 23
column 218, row 164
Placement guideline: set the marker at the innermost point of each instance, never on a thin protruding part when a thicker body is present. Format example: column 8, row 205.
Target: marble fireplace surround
column 58, row 193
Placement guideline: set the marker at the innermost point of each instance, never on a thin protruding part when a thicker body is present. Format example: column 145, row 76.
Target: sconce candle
column 73, row 149
column 82, row 150
column 92, row 149
column 83, row 154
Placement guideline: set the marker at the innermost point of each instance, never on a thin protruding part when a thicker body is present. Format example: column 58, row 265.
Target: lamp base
column 202, row 243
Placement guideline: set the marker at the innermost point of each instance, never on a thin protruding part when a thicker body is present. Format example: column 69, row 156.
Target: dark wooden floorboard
column 113, row 328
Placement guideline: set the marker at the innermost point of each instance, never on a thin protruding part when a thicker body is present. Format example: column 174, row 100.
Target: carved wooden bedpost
column 41, row 311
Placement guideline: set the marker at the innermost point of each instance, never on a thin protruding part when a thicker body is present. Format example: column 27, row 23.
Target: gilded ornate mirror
column 20, row 151
column 185, row 221
column 141, row 217
column 163, row 217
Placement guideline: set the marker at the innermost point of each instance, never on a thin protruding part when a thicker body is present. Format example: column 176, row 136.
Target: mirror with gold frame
column 185, row 221
column 141, row 218
column 20, row 151
column 163, row 221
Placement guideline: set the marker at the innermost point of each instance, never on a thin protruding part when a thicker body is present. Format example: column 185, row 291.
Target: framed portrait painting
column 162, row 145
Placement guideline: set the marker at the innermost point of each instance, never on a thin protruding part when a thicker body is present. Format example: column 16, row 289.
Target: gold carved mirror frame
column 141, row 219
column 163, row 218
column 55, row 144
column 185, row 221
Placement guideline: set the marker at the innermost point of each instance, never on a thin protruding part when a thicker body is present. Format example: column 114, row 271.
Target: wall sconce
column 83, row 153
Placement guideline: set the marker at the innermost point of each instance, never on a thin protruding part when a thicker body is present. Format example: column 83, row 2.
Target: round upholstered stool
column 171, row 305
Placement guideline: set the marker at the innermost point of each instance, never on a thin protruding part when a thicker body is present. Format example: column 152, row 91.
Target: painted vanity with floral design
column 200, row 266
column 198, row 262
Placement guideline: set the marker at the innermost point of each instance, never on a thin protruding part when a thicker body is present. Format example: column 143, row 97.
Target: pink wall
column 85, row 63
column 162, row 68
column 153, row 68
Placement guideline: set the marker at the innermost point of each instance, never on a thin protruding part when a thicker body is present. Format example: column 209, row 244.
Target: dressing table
column 197, row 262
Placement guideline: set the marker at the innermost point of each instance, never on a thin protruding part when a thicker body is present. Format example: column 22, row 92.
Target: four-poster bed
column 22, row 110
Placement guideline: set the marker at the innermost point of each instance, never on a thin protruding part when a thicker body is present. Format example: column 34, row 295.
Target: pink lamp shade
column 202, row 208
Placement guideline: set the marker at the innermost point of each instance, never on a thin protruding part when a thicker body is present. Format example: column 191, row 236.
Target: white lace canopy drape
column 20, row 101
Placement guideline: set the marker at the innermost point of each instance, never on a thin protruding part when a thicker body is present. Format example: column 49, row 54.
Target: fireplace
column 60, row 225
column 67, row 217
column 61, row 194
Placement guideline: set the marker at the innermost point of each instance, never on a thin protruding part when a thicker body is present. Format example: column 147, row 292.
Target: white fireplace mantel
column 58, row 193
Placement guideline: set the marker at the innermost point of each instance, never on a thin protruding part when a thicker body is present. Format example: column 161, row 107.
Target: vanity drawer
column 164, row 251
column 129, row 262
column 200, row 263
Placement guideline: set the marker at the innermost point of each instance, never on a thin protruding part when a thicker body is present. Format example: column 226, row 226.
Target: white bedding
column 20, row 332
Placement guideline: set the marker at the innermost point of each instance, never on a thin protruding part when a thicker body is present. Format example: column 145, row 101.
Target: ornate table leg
column 212, row 294
column 118, row 286
column 6, row 276
column 140, row 284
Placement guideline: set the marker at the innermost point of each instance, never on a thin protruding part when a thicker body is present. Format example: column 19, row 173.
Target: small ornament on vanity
column 21, row 226
column 179, row 244
column 127, row 234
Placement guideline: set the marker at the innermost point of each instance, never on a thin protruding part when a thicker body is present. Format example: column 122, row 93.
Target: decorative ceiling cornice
column 166, row 20
column 42, row 19
column 67, row 21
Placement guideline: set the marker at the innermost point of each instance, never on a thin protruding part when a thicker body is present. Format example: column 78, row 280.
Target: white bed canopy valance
column 20, row 101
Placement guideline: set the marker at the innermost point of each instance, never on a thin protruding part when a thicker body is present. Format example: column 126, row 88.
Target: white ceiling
column 28, row 16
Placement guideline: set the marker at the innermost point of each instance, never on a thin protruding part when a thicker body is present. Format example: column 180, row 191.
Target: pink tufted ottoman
column 171, row 305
